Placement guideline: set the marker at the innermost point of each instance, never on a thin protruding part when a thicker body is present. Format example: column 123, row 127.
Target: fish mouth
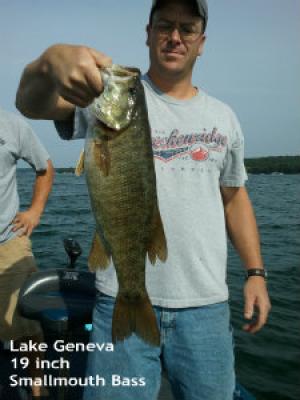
column 120, row 71
column 116, row 104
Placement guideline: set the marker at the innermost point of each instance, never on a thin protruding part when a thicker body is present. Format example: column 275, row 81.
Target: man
column 18, row 141
column 198, row 150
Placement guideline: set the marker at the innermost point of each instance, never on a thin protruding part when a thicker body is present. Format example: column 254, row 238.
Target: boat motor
column 62, row 300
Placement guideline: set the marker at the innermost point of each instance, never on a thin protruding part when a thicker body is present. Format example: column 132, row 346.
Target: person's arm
column 243, row 233
column 63, row 77
column 26, row 221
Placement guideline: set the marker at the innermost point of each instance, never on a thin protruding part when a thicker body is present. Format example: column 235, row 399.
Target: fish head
column 115, row 106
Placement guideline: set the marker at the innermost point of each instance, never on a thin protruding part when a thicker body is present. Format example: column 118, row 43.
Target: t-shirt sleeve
column 31, row 149
column 75, row 127
column 234, row 173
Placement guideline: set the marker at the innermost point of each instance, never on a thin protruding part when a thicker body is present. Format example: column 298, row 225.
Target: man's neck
column 174, row 86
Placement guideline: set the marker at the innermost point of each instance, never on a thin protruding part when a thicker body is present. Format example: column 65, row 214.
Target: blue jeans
column 196, row 352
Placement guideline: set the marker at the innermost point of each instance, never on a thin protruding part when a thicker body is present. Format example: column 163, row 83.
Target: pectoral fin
column 102, row 155
column 158, row 244
column 99, row 256
column 80, row 164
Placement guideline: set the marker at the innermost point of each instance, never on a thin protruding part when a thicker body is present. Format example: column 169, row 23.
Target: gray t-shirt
column 17, row 141
column 198, row 146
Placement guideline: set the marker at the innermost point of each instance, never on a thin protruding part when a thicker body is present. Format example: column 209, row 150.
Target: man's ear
column 201, row 45
column 148, row 33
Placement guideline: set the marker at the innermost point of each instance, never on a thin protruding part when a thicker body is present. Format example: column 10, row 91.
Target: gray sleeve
column 31, row 149
column 234, row 173
column 75, row 127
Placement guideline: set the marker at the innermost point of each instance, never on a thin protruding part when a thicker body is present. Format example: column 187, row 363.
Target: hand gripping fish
column 119, row 168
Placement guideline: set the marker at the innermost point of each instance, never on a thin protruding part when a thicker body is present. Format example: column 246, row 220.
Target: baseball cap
column 201, row 5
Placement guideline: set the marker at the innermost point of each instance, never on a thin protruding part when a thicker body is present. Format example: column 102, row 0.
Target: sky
column 251, row 59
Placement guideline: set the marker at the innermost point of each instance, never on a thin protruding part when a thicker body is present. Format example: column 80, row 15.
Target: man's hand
column 25, row 222
column 242, row 230
column 74, row 70
column 63, row 77
column 256, row 299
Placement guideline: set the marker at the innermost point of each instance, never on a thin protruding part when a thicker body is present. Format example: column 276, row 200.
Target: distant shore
column 269, row 165
column 260, row 165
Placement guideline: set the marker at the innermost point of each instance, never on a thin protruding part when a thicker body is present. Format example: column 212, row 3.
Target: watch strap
column 256, row 272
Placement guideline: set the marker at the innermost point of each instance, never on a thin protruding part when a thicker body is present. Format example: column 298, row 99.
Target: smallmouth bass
column 119, row 168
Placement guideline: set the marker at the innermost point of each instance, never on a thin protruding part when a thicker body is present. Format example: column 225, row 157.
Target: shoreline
column 254, row 165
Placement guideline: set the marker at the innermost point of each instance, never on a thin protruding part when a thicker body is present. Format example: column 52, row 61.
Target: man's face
column 175, row 39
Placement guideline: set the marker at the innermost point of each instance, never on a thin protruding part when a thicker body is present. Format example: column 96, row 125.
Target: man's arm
column 63, row 77
column 243, row 232
column 26, row 221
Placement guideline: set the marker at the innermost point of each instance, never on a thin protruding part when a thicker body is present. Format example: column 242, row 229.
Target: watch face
column 257, row 272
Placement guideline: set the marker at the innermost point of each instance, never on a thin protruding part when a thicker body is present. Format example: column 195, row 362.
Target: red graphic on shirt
column 200, row 154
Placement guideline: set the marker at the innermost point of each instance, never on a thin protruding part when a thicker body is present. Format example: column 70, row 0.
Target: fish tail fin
column 145, row 321
column 158, row 244
column 134, row 316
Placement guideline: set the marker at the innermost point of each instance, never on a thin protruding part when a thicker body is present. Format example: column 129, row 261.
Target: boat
column 62, row 300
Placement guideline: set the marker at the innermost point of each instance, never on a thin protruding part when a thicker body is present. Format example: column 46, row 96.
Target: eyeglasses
column 187, row 31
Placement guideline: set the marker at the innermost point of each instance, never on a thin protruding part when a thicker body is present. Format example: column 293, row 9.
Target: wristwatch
column 256, row 272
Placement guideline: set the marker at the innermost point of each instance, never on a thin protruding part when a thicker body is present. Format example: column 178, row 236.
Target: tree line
column 269, row 165
column 260, row 165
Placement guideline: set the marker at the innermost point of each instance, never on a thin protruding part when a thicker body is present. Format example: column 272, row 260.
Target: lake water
column 268, row 363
